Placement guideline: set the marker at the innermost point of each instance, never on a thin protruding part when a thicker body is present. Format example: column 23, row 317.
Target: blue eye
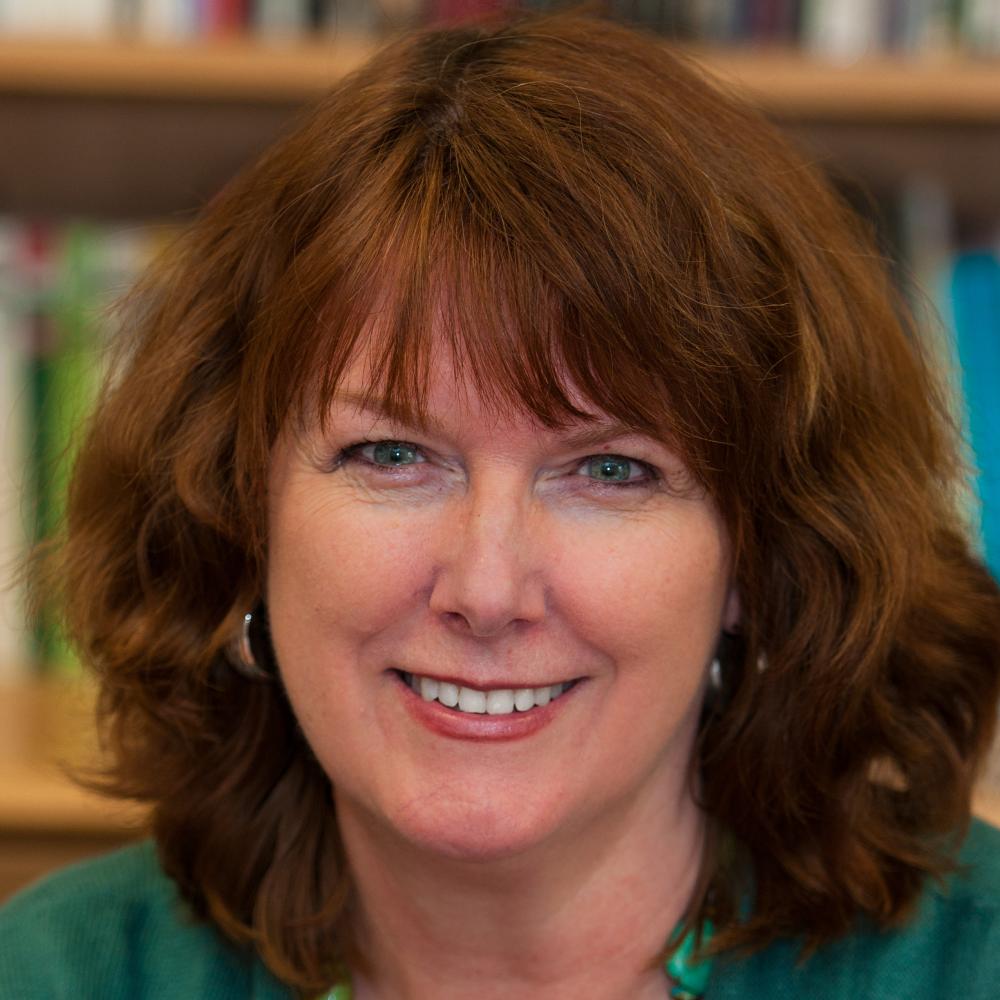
column 617, row 470
column 388, row 455
column 385, row 456
column 393, row 453
column 609, row 468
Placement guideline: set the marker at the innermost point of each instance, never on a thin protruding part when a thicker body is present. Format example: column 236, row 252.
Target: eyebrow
column 589, row 434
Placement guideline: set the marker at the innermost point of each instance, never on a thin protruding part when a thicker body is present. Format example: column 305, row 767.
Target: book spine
column 841, row 30
column 169, row 20
column 223, row 18
column 349, row 17
column 975, row 294
column 979, row 27
column 927, row 248
column 74, row 371
column 716, row 21
column 460, row 11
column 58, row 287
column 15, row 645
column 35, row 265
column 279, row 20
column 58, row 18
column 127, row 16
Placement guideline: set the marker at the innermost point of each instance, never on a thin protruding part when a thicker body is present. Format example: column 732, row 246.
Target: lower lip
column 457, row 725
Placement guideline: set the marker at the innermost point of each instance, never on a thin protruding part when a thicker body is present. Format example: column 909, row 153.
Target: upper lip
column 479, row 685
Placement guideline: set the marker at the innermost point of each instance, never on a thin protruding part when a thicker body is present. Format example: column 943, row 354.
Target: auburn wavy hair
column 605, row 218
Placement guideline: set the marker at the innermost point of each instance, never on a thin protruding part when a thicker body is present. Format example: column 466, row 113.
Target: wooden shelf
column 221, row 70
column 787, row 84
column 790, row 85
column 47, row 821
column 153, row 131
column 987, row 805
column 46, row 727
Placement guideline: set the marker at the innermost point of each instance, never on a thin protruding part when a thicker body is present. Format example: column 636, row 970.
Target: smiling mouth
column 472, row 701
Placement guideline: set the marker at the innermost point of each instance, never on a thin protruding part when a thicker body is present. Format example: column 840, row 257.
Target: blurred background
column 119, row 119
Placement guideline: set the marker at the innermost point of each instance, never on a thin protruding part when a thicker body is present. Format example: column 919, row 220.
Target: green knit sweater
column 114, row 929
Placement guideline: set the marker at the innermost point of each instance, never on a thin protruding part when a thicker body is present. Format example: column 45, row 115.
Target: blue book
column 975, row 296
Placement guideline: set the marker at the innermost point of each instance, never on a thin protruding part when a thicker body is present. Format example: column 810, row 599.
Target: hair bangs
column 437, row 281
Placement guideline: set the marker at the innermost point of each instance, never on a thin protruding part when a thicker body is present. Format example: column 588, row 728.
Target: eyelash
column 352, row 453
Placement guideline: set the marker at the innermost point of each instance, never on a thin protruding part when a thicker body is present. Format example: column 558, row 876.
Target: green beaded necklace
column 690, row 978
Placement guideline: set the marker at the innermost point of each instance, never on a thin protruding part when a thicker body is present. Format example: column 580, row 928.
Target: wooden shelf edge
column 986, row 805
column 877, row 88
column 44, row 725
column 785, row 83
column 216, row 70
column 49, row 803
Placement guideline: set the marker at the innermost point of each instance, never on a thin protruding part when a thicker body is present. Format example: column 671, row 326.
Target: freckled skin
column 496, row 557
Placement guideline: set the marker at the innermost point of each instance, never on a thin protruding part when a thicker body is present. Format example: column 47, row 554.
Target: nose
column 489, row 575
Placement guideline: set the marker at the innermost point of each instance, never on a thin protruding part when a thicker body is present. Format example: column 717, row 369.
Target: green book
column 15, row 654
column 66, row 370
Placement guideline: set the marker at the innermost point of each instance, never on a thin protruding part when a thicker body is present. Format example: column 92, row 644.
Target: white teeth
column 503, row 701
column 499, row 702
column 447, row 694
column 471, row 700
column 524, row 698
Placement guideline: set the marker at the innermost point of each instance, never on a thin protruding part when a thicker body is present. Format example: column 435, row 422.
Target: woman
column 518, row 548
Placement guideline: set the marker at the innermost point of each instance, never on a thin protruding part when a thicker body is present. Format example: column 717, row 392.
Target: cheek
column 346, row 567
column 654, row 594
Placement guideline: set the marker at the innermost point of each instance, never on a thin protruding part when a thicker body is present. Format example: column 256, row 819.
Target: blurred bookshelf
column 947, row 88
column 46, row 819
column 121, row 121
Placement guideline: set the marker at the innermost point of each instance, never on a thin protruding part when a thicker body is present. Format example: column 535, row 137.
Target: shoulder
column 954, row 938
column 950, row 947
column 980, row 861
column 116, row 927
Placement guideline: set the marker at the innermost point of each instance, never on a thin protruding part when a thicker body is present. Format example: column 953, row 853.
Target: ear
column 732, row 613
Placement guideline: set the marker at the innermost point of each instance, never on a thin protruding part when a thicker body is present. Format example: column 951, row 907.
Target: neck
column 579, row 915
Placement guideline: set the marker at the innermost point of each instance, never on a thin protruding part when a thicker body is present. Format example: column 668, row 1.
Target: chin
column 472, row 831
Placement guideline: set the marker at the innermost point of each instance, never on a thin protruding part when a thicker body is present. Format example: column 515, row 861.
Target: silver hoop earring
column 726, row 669
column 240, row 652
column 715, row 676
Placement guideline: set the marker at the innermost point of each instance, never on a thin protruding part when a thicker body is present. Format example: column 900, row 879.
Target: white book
column 14, row 418
column 927, row 223
column 979, row 30
column 92, row 19
column 125, row 252
column 168, row 20
column 842, row 31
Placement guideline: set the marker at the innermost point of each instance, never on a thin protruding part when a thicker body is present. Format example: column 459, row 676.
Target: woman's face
column 488, row 559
